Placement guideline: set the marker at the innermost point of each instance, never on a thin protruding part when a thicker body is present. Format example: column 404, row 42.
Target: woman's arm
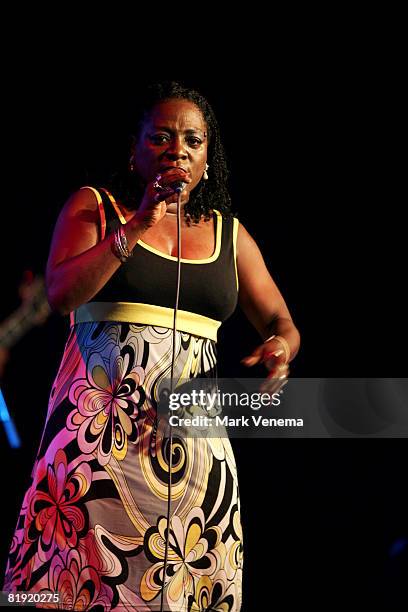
column 79, row 263
column 262, row 302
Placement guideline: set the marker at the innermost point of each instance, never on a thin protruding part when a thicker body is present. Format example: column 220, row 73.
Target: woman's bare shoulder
column 84, row 198
column 245, row 242
column 77, row 228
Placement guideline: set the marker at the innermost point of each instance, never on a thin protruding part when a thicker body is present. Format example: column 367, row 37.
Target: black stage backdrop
column 310, row 142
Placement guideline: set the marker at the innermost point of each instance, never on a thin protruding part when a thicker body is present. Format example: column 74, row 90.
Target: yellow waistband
column 147, row 314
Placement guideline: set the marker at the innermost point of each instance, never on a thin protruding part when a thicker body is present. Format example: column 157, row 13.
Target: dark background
column 311, row 130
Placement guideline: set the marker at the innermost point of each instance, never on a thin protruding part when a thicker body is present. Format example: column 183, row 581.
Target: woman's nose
column 176, row 149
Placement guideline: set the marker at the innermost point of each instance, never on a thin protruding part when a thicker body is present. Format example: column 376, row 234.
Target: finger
column 271, row 388
column 164, row 194
column 255, row 357
column 274, row 354
column 278, row 372
column 252, row 359
column 275, row 381
column 170, row 176
column 275, row 364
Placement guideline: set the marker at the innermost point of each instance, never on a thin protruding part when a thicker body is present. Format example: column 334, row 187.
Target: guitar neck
column 15, row 326
column 19, row 323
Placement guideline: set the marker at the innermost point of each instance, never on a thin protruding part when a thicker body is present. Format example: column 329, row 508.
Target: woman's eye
column 159, row 138
column 195, row 142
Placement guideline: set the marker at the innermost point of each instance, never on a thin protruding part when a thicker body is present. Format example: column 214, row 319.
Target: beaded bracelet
column 284, row 344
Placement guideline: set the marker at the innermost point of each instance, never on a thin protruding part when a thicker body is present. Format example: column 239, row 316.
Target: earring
column 205, row 175
column 131, row 166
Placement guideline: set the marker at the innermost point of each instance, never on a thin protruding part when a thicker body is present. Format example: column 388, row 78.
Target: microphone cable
column 170, row 438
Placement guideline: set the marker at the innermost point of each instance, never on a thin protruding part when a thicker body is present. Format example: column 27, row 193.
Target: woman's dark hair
column 207, row 195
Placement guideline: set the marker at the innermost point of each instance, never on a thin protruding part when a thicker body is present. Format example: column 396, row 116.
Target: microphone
column 178, row 186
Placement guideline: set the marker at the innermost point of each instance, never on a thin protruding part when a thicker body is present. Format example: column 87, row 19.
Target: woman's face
column 173, row 135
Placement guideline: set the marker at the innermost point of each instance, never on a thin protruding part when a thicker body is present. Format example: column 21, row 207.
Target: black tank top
column 208, row 287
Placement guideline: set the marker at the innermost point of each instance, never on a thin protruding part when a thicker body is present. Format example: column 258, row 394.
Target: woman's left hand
column 272, row 355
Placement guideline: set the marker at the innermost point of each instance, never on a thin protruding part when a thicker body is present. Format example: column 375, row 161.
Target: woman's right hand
column 149, row 212
column 154, row 203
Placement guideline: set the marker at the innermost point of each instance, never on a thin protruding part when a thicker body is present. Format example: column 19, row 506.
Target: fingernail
column 249, row 359
column 278, row 353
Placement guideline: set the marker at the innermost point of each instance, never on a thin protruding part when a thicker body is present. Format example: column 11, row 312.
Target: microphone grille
column 179, row 186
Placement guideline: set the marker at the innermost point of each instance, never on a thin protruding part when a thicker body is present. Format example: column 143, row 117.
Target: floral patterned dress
column 93, row 523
